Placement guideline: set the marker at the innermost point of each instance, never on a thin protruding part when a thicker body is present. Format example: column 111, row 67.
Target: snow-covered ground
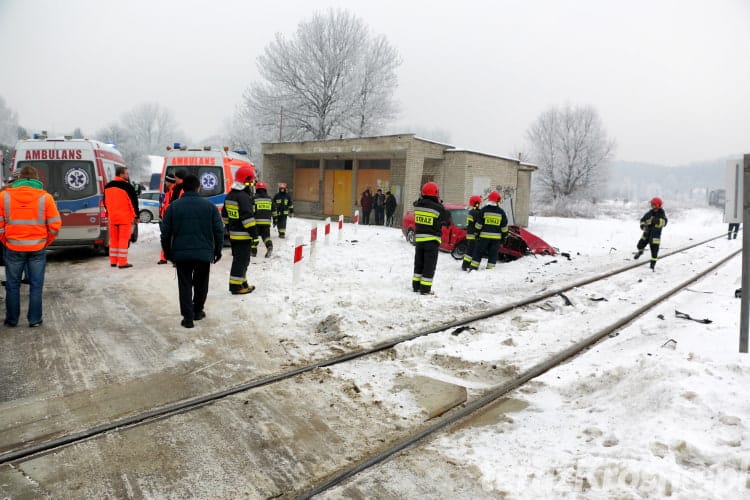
column 658, row 410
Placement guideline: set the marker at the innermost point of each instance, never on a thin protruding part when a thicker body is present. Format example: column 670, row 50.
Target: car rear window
column 459, row 216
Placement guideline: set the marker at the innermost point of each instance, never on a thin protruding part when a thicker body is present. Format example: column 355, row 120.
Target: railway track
column 25, row 452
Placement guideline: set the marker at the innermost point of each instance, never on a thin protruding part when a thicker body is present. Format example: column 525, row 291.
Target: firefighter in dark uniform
column 491, row 226
column 263, row 217
column 471, row 231
column 282, row 208
column 237, row 214
column 429, row 218
column 652, row 223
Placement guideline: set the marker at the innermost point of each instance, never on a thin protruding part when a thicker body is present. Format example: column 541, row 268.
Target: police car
column 148, row 206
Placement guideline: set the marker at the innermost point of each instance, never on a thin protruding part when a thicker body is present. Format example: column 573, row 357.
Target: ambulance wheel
column 410, row 236
column 459, row 250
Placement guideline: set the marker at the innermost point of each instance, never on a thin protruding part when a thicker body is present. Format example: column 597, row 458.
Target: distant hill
column 629, row 180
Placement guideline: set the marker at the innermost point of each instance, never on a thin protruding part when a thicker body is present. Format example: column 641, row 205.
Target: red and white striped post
column 313, row 239
column 327, row 229
column 297, row 259
column 355, row 221
column 341, row 227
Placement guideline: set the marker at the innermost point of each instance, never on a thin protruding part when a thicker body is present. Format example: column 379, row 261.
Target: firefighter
column 282, row 208
column 429, row 217
column 237, row 214
column 652, row 223
column 491, row 227
column 263, row 217
column 473, row 215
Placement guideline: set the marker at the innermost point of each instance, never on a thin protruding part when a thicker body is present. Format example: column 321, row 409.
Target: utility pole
column 281, row 124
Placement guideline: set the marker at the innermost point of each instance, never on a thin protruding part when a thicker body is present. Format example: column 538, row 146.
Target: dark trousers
column 734, row 227
column 389, row 219
column 485, row 246
column 264, row 234
column 379, row 215
column 365, row 217
column 425, row 262
column 240, row 262
column 281, row 224
column 192, row 282
column 466, row 263
column 654, row 247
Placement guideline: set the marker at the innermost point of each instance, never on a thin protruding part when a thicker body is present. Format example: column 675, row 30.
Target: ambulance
column 74, row 172
column 214, row 167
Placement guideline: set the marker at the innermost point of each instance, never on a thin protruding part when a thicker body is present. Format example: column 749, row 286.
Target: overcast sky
column 670, row 78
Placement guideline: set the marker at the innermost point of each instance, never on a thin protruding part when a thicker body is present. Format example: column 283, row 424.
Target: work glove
column 217, row 256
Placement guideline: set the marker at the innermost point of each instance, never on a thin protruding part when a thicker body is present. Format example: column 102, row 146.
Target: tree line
column 333, row 78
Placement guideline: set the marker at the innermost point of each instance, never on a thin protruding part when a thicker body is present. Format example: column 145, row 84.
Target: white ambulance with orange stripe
column 74, row 172
column 214, row 167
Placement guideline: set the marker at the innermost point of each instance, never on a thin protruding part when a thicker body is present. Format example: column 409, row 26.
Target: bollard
column 341, row 227
column 327, row 229
column 313, row 239
column 297, row 259
column 355, row 221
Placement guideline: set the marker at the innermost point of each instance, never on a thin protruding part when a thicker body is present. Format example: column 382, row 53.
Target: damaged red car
column 517, row 243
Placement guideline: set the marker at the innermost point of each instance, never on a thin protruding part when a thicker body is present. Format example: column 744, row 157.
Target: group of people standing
column 486, row 228
column 384, row 206
column 192, row 235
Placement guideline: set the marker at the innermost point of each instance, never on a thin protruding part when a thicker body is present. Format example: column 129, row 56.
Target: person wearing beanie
column 170, row 182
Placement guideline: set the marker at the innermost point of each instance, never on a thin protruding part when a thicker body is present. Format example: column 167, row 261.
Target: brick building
column 328, row 177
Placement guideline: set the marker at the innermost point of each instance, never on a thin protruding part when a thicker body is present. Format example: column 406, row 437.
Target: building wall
column 411, row 160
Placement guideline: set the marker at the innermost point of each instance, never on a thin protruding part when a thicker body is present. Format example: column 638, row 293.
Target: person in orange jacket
column 121, row 203
column 29, row 222
column 169, row 182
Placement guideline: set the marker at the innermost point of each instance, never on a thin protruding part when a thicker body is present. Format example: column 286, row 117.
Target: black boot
column 638, row 254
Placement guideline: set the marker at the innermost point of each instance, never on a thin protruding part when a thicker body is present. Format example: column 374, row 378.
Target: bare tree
column 242, row 133
column 324, row 81
column 136, row 158
column 8, row 125
column 571, row 148
column 151, row 127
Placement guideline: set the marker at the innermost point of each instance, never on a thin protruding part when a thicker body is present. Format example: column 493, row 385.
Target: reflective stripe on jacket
column 237, row 215
column 429, row 218
column 492, row 223
column 29, row 220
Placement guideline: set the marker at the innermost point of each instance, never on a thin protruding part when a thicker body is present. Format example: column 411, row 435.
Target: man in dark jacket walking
column 429, row 217
column 652, row 223
column 192, row 235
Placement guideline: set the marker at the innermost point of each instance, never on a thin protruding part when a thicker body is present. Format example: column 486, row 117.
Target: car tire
column 410, row 236
column 145, row 216
column 459, row 250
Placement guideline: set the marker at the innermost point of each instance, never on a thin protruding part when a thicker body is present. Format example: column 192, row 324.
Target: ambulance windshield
column 210, row 177
column 65, row 179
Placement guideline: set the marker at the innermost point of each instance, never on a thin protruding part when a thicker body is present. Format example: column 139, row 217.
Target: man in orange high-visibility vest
column 29, row 223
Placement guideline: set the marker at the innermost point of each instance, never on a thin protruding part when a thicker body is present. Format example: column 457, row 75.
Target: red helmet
column 475, row 200
column 260, row 185
column 245, row 175
column 494, row 197
column 656, row 202
column 430, row 189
